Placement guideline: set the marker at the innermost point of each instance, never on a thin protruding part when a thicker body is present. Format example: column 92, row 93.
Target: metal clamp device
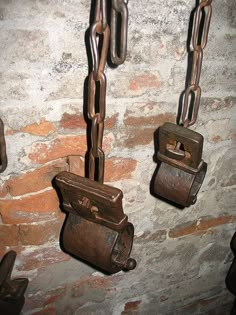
column 11, row 290
column 181, row 170
column 96, row 229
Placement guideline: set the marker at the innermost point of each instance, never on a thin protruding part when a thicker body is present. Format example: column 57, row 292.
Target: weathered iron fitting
column 181, row 169
column 96, row 229
column 11, row 290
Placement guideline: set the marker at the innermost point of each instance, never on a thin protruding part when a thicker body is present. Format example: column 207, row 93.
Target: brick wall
column 183, row 256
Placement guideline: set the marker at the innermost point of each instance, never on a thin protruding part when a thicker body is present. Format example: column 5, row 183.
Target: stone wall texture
column 182, row 255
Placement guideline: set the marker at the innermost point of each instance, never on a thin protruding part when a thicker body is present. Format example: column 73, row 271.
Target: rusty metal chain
column 3, row 154
column 201, row 24
column 97, row 83
column 99, row 35
column 119, row 31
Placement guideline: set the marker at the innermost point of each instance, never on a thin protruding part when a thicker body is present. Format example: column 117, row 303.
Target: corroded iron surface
column 11, row 291
column 181, row 170
column 96, row 229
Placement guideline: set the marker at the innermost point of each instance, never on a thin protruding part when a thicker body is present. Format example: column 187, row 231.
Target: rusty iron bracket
column 96, row 229
column 190, row 158
column 11, row 291
column 91, row 200
column 181, row 170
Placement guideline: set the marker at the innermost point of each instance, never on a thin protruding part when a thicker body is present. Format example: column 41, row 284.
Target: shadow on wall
column 231, row 276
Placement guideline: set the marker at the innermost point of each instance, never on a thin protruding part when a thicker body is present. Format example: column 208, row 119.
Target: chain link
column 97, row 29
column 99, row 36
column 3, row 154
column 192, row 95
column 119, row 45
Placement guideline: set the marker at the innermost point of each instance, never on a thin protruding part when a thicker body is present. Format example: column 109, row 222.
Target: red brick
column 76, row 121
column 138, row 136
column 115, row 168
column 206, row 223
column 200, row 226
column 131, row 308
column 145, row 81
column 40, row 257
column 38, row 207
column 34, row 180
column 148, row 121
column 44, row 128
column 72, row 121
column 3, row 190
column 183, row 229
column 40, row 233
column 9, row 234
column 140, row 130
column 119, row 168
column 43, row 152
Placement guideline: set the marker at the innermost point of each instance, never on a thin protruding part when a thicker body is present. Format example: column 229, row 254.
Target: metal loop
column 3, row 154
column 96, row 151
column 104, row 13
column 92, row 95
column 99, row 62
column 195, row 107
column 101, row 13
column 197, row 22
column 97, row 11
column 118, row 54
column 101, row 165
column 96, row 135
column 196, row 66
